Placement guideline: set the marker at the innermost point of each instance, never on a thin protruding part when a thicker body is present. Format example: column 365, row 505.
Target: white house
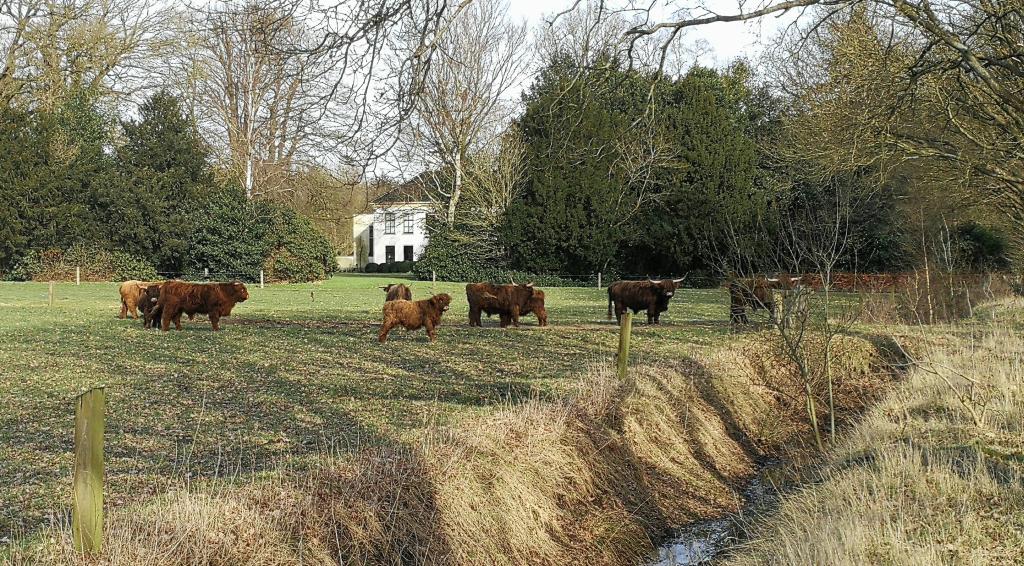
column 395, row 229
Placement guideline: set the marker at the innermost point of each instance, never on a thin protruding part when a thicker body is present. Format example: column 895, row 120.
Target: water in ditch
column 703, row 541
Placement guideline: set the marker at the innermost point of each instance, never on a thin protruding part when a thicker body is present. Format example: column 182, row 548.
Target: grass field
column 291, row 375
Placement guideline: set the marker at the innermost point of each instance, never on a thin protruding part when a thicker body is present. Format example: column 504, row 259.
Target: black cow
column 650, row 295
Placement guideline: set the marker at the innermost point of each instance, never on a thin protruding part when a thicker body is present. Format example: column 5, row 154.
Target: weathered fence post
column 87, row 504
column 622, row 360
column 78, row 276
column 433, row 281
column 261, row 279
column 206, row 273
column 51, row 293
column 598, row 279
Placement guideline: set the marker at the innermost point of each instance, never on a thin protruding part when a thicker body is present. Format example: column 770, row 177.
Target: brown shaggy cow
column 147, row 304
column 213, row 299
column 414, row 315
column 397, row 291
column 756, row 293
column 131, row 291
column 649, row 295
column 536, row 306
column 507, row 301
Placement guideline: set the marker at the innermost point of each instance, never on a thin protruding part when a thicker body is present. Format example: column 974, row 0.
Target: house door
column 407, row 253
column 389, row 254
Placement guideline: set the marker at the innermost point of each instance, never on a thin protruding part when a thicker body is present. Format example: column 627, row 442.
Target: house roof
column 415, row 190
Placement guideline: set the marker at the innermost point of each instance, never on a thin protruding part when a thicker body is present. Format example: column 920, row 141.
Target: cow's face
column 239, row 292
column 528, row 287
column 441, row 301
column 667, row 288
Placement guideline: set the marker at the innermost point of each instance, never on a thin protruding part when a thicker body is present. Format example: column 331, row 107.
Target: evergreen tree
column 164, row 162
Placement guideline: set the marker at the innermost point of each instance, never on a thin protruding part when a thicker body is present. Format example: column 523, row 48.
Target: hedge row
column 394, row 267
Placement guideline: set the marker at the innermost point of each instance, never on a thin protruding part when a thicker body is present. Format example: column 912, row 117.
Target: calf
column 131, row 291
column 396, row 291
column 413, row 315
column 148, row 306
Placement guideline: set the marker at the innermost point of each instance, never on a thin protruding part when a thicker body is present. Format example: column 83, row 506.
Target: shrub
column 982, row 248
column 127, row 266
column 403, row 267
column 96, row 264
column 235, row 238
column 452, row 259
column 297, row 250
column 370, row 268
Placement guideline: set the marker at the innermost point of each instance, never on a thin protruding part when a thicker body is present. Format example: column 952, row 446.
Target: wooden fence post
column 261, row 279
column 598, row 279
column 51, row 293
column 206, row 273
column 433, row 281
column 622, row 359
column 87, row 504
column 78, row 275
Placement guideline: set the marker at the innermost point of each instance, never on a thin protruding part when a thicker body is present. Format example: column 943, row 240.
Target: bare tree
column 494, row 179
column 463, row 105
column 51, row 48
column 260, row 89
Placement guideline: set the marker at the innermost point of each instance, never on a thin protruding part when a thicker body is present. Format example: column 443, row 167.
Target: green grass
column 290, row 376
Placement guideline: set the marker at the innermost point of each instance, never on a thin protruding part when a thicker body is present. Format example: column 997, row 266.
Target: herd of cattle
column 165, row 302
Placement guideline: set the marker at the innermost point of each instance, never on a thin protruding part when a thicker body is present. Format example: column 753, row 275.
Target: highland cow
column 756, row 293
column 536, row 306
column 413, row 315
column 131, row 291
column 213, row 299
column 650, row 295
column 506, row 301
column 396, row 291
column 148, row 305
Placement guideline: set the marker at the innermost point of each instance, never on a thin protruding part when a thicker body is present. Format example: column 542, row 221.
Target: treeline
column 136, row 196
column 633, row 172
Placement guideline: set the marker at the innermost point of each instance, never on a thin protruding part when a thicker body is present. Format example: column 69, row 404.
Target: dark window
column 407, row 253
column 389, row 254
column 408, row 223
column 389, row 222
column 370, row 254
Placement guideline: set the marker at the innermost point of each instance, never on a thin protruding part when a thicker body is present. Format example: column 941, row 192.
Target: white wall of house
column 400, row 229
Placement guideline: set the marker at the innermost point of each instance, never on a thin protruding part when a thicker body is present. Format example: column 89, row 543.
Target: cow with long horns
column 651, row 295
column 758, row 293
column 509, row 302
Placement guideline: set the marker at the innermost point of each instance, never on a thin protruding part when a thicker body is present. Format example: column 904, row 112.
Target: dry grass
column 593, row 479
column 933, row 474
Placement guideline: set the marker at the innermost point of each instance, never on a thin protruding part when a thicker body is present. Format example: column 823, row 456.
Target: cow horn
column 512, row 279
column 530, row 284
column 681, row 279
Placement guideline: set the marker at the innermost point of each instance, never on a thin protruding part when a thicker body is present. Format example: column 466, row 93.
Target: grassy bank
column 592, row 477
column 933, row 474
